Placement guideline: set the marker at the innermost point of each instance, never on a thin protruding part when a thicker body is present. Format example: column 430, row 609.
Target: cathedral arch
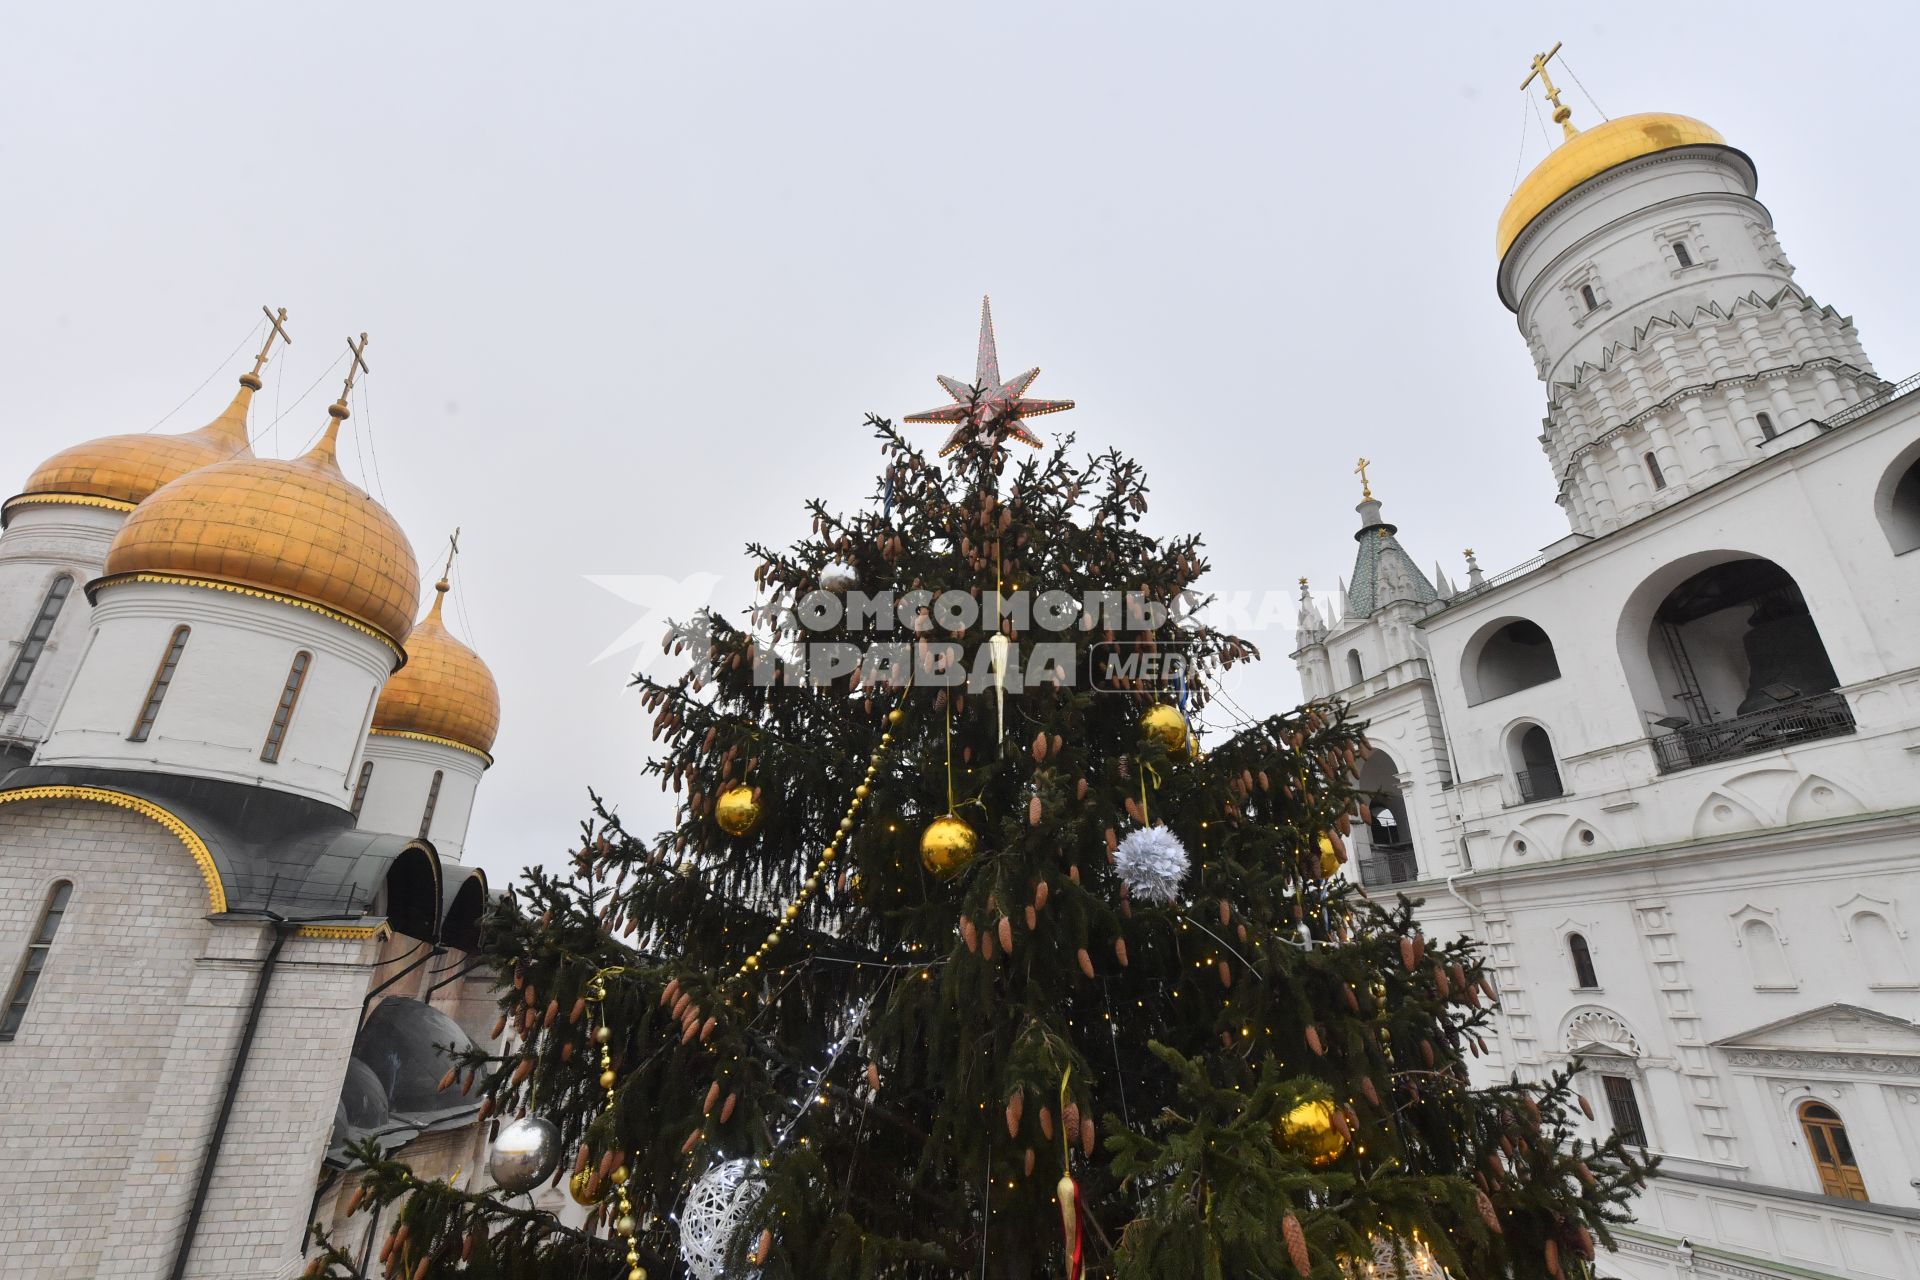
column 1725, row 659
column 460, row 928
column 1389, row 856
column 1505, row 656
column 196, row 847
column 1897, row 502
column 409, row 896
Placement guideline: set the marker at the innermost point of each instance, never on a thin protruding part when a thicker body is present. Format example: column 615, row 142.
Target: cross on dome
column 1562, row 114
column 276, row 328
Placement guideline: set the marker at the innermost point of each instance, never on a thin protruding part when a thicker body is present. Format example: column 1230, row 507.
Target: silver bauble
column 524, row 1155
column 718, row 1205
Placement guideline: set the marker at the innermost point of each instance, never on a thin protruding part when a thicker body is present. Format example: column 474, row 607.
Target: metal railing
column 1867, row 404
column 1389, row 864
column 1824, row 715
column 1541, row 782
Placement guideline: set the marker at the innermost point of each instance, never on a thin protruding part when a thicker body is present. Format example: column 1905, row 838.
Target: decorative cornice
column 257, row 593
column 436, row 741
column 61, row 499
column 1798, row 1060
column 202, row 856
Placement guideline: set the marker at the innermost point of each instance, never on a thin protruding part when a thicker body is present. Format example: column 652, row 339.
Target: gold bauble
column 1329, row 858
column 1165, row 725
column 947, row 846
column 1310, row 1130
column 737, row 811
column 578, row 1187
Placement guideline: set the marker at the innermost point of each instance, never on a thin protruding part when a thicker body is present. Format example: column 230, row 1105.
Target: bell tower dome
column 1662, row 314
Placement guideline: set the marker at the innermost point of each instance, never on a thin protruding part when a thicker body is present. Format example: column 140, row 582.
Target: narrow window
column 36, row 960
column 1624, row 1108
column 1765, row 421
column 169, row 663
column 35, row 643
column 1583, row 973
column 1653, row 469
column 283, row 713
column 1356, row 672
column 1832, row 1152
column 1587, row 296
column 433, row 799
column 1680, row 254
column 360, row 787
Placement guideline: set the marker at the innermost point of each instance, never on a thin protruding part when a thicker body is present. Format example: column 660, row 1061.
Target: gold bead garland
column 603, row 1036
column 791, row 911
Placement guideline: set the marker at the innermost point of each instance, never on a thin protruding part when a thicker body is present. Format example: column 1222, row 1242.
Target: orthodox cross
column 276, row 329
column 355, row 366
column 453, row 549
column 1360, row 469
column 1562, row 115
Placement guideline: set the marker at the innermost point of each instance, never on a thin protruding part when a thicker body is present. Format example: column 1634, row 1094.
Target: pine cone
column 1296, row 1244
column 1086, row 1136
column 1487, row 1214
column 1120, row 951
column 1046, row 1123
column 1086, row 962
column 1006, row 934
column 1040, row 894
column 713, row 1096
column 1016, row 1107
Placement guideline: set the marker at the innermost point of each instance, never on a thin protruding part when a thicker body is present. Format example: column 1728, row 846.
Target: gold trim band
column 257, row 593
column 62, row 500
column 436, row 741
column 346, row 932
column 202, row 856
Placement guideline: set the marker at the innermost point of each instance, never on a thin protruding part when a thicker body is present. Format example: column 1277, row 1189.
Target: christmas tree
column 965, row 958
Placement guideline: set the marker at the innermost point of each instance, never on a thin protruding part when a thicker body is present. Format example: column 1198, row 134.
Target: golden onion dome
column 121, row 471
column 1591, row 152
column 445, row 691
column 294, row 527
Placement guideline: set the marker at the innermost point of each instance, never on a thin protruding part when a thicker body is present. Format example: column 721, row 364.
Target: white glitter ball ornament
column 718, row 1205
column 1153, row 863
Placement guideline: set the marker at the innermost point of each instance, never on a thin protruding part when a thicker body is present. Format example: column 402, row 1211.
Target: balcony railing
column 1825, row 715
column 1539, row 783
column 1389, row 864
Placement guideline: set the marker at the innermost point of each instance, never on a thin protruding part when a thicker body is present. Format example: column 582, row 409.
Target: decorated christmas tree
column 966, row 957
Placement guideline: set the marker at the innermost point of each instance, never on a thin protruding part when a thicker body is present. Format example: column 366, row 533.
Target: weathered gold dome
column 444, row 691
column 1592, row 152
column 122, row 471
column 291, row 527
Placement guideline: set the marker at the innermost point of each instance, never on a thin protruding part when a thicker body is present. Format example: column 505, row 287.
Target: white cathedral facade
column 1668, row 772
column 235, row 778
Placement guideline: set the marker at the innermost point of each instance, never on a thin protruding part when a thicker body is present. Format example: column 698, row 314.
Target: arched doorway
column 1898, row 506
column 1740, row 666
column 1832, row 1152
column 1506, row 658
column 1535, row 770
column 1387, row 855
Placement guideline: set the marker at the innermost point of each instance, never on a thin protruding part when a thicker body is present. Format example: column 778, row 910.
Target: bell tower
column 1662, row 314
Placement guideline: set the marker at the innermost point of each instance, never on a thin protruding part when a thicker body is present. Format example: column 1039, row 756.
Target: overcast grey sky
column 634, row 272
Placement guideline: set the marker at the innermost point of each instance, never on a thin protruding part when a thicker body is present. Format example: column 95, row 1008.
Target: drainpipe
column 282, row 930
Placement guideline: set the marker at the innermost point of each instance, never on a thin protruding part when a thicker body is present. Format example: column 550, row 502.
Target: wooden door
column 1832, row 1152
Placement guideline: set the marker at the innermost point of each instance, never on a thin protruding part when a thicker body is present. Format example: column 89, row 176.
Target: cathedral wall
column 401, row 780
column 215, row 716
column 40, row 543
column 77, row 1082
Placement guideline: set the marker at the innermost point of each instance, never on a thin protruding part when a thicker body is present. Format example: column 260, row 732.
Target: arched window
column 1583, row 974
column 360, row 787
column 157, row 691
column 1680, row 254
column 1734, row 666
column 35, row 961
column 1881, row 954
column 1534, row 769
column 1832, row 1152
column 1355, row 671
column 433, row 802
column 1899, row 512
column 1766, row 957
column 1387, row 855
column 1587, row 296
column 1654, row 472
column 35, row 643
column 1764, row 421
column 283, row 711
column 1519, row 655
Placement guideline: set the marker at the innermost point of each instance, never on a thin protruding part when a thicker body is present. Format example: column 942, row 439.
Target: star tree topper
column 989, row 408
